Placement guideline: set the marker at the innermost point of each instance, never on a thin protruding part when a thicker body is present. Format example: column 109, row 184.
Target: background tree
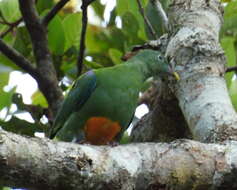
column 45, row 39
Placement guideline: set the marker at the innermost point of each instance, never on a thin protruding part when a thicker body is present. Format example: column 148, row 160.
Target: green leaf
column 6, row 98
column 93, row 65
column 4, row 61
column 3, row 28
column 124, row 6
column 6, row 188
column 38, row 99
column 102, row 59
column 4, row 77
column 43, row 5
column 125, row 138
column 229, row 26
column 233, row 93
column 22, row 41
column 96, row 39
column 230, row 9
column 72, row 29
column 20, row 126
column 115, row 55
column 98, row 8
column 130, row 25
column 10, row 10
column 116, row 38
column 155, row 20
column 227, row 44
column 56, row 36
column 226, row 1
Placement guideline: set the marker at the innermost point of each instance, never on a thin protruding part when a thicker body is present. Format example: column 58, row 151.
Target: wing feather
column 76, row 98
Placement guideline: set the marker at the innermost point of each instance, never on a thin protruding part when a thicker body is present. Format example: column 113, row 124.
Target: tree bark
column 182, row 164
column 164, row 123
column 46, row 78
column 202, row 91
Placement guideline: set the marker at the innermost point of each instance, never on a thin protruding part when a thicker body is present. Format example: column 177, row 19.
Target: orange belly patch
column 101, row 130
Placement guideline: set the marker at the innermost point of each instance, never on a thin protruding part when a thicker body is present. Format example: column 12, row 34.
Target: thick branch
column 18, row 59
column 202, row 92
column 43, row 164
column 47, row 80
column 37, row 32
column 54, row 11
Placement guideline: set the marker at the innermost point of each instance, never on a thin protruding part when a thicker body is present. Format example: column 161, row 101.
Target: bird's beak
column 173, row 72
column 176, row 76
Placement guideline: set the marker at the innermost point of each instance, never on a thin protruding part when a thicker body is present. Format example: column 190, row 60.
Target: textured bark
column 183, row 164
column 202, row 91
column 164, row 123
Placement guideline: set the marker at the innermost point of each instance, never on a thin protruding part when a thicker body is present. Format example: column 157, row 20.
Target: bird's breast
column 101, row 130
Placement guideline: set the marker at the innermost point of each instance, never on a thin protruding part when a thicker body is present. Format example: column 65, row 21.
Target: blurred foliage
column 106, row 41
column 5, row 188
column 154, row 18
column 228, row 39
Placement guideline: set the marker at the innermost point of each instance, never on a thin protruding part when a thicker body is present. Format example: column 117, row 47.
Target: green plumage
column 108, row 92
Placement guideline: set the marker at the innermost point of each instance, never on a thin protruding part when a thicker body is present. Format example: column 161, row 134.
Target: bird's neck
column 141, row 66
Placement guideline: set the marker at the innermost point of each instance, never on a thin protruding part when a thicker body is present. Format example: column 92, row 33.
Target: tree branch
column 135, row 166
column 231, row 69
column 194, row 47
column 164, row 122
column 47, row 81
column 37, row 33
column 85, row 4
column 47, row 18
column 18, row 59
column 12, row 26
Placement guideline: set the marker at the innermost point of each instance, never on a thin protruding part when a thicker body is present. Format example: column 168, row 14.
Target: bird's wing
column 76, row 98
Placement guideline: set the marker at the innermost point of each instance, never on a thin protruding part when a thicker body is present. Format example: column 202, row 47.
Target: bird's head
column 159, row 65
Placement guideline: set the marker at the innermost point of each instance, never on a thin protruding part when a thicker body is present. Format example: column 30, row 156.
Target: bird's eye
column 160, row 58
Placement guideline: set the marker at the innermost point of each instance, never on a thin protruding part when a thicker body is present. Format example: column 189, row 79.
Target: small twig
column 162, row 13
column 17, row 58
column 4, row 21
column 47, row 18
column 150, row 28
column 12, row 26
column 85, row 4
column 231, row 69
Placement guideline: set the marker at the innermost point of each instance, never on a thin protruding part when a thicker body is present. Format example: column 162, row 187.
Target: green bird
column 101, row 103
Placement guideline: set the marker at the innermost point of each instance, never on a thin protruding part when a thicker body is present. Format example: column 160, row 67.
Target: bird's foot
column 113, row 143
